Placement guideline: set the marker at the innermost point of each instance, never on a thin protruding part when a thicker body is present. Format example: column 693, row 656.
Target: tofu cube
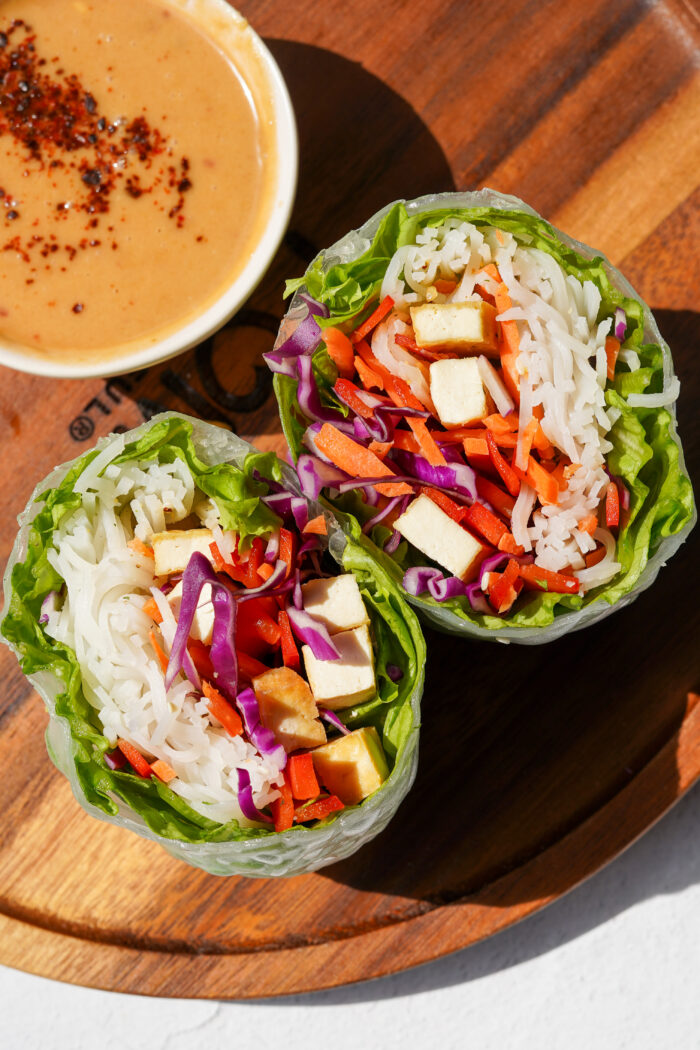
column 336, row 603
column 458, row 392
column 288, row 709
column 353, row 766
column 173, row 549
column 433, row 532
column 463, row 328
column 203, row 622
column 347, row 681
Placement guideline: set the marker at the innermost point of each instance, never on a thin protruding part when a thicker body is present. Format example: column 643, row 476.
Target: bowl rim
column 235, row 293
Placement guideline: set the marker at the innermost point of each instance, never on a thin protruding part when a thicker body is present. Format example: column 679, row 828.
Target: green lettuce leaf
column 645, row 448
column 237, row 492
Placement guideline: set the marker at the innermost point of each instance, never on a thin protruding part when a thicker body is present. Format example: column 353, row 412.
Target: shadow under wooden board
column 538, row 765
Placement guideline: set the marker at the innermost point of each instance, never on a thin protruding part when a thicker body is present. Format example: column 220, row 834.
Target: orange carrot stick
column 356, row 460
column 373, row 320
column 160, row 652
column 317, row 527
column 340, row 351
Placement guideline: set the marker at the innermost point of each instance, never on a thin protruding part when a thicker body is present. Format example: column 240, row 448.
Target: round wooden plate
column 538, row 765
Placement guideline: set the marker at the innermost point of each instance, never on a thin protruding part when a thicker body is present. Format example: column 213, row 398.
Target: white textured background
column 615, row 965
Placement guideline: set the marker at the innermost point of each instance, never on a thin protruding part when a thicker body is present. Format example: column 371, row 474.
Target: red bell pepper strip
column 612, row 506
column 290, row 653
column 445, row 503
column 318, row 810
column 350, row 394
column 510, row 478
column 248, row 666
column 134, row 758
column 200, row 658
column 239, row 573
column 287, row 550
column 491, row 528
column 502, row 587
column 302, row 777
column 412, row 346
column 283, row 808
column 221, row 710
column 546, row 580
column 373, row 320
column 500, row 500
column 612, row 349
column 593, row 557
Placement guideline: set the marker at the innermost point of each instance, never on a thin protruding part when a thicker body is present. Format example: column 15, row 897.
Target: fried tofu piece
column 433, row 532
column 347, row 681
column 461, row 328
column 173, row 549
column 336, row 602
column 353, row 766
column 288, row 708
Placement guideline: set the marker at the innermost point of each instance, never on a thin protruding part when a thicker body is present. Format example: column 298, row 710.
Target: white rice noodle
column 521, row 516
column 630, row 358
column 494, row 384
column 102, row 620
column 400, row 361
column 605, row 570
column 562, row 365
column 666, row 397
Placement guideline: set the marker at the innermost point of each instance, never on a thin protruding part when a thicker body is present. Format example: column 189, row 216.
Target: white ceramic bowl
column 233, row 35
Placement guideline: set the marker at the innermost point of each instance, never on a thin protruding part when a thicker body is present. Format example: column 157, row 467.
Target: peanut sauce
column 134, row 173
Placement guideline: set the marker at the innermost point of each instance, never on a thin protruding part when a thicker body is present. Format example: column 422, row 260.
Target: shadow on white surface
column 664, row 861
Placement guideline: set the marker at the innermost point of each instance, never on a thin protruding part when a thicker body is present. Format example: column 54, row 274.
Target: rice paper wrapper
column 301, row 849
column 356, row 243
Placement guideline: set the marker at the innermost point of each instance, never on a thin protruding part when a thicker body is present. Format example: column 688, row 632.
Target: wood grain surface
column 538, row 765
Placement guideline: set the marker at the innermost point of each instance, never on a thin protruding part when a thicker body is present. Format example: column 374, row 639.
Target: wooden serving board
column 538, row 765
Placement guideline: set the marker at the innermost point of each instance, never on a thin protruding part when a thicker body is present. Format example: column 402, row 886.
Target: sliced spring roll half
column 494, row 404
column 216, row 680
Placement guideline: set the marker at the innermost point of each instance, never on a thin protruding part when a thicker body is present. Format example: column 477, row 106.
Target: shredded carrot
column 612, row 349
column 151, row 609
column 160, row 652
column 368, row 377
column 522, row 450
column 163, row 771
column 140, row 547
column 509, row 343
column 406, row 442
column 475, row 446
column 501, row 424
column 544, row 483
column 373, row 320
column 588, row 524
column 402, row 395
column 357, row 460
column 340, row 351
column 365, row 353
column 570, row 469
column 317, row 527
column 266, row 570
column 222, row 710
column 380, row 448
